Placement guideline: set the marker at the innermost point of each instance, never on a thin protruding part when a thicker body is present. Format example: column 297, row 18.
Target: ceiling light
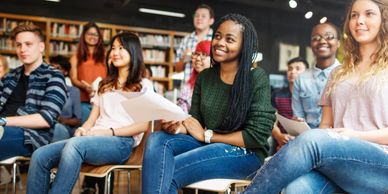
column 56, row 1
column 160, row 12
column 292, row 3
column 308, row 15
column 323, row 20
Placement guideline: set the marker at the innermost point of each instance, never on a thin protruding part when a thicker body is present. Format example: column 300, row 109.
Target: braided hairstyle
column 241, row 93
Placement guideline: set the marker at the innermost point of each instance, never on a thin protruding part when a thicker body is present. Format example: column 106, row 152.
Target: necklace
column 119, row 84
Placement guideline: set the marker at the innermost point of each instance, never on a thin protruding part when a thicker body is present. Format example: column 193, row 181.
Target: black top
column 17, row 98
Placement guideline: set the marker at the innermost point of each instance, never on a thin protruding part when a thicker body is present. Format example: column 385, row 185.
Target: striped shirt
column 189, row 41
column 46, row 95
column 281, row 101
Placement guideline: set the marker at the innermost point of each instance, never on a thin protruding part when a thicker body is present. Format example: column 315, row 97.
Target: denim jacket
column 307, row 91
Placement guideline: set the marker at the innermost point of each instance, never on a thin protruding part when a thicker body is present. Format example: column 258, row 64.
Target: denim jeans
column 86, row 108
column 324, row 159
column 62, row 132
column 174, row 161
column 69, row 155
column 12, row 143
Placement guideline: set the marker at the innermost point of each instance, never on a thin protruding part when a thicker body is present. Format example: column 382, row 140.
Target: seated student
column 108, row 135
column 31, row 97
column 308, row 87
column 281, row 100
column 70, row 117
column 232, row 117
column 200, row 60
column 350, row 151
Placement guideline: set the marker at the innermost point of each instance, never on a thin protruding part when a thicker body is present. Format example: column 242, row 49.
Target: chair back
column 138, row 152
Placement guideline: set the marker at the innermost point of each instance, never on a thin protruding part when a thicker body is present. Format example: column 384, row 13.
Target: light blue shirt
column 307, row 91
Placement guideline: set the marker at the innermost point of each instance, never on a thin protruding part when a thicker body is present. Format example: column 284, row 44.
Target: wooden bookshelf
column 62, row 36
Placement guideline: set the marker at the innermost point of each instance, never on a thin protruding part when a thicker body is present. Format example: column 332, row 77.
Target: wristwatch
column 3, row 121
column 208, row 135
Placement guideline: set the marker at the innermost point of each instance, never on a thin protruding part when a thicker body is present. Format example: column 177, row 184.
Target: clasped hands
column 189, row 126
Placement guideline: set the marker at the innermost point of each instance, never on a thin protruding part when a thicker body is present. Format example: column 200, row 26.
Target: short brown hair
column 28, row 28
column 205, row 6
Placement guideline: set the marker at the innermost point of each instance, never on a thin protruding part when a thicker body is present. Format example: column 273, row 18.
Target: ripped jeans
column 174, row 161
column 319, row 161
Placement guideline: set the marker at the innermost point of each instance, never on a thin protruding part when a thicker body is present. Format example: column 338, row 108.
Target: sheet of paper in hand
column 292, row 127
column 147, row 105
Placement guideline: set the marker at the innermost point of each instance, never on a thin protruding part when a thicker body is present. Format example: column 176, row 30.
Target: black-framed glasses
column 327, row 37
column 200, row 54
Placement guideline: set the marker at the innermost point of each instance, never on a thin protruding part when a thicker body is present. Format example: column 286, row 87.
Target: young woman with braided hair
column 232, row 117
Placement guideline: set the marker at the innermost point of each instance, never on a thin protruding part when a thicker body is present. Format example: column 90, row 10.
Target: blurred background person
column 200, row 60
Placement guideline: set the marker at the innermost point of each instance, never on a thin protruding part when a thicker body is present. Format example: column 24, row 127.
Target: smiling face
column 200, row 61
column 91, row 37
column 119, row 55
column 202, row 19
column 324, row 41
column 227, row 42
column 365, row 22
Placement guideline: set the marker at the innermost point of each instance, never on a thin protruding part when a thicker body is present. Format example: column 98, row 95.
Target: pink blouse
column 112, row 114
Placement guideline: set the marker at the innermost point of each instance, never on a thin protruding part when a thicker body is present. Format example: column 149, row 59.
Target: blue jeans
column 324, row 160
column 69, row 155
column 174, row 161
column 12, row 143
column 62, row 132
column 86, row 108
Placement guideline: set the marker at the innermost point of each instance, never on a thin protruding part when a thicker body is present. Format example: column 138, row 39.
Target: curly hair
column 352, row 55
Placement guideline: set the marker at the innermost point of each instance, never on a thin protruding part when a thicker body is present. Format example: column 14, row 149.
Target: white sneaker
column 5, row 176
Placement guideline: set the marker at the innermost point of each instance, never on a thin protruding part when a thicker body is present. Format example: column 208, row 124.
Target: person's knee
column 156, row 140
column 315, row 136
column 299, row 186
column 39, row 157
column 73, row 146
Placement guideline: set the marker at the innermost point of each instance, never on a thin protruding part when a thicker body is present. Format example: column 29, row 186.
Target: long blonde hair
column 352, row 54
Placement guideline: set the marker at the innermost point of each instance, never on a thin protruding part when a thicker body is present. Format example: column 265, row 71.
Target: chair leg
column 20, row 184
column 14, row 178
column 129, row 183
column 107, row 183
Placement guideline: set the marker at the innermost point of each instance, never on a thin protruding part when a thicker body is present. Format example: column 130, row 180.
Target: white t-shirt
column 112, row 114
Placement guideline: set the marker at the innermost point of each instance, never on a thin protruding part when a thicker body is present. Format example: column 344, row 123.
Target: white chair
column 218, row 185
column 14, row 161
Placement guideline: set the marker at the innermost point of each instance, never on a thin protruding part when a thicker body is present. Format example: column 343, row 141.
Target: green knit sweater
column 210, row 103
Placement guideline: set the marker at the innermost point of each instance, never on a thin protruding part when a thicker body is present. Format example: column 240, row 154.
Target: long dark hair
column 82, row 50
column 241, row 94
column 131, row 43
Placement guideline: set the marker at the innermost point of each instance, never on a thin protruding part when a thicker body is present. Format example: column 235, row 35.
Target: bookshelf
column 62, row 36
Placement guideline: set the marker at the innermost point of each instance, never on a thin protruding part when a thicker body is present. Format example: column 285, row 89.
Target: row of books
column 153, row 55
column 62, row 48
column 6, row 44
column 158, row 71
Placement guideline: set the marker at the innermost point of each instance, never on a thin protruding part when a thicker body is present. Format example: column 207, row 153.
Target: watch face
column 208, row 133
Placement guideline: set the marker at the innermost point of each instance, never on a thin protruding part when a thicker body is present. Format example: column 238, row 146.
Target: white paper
column 148, row 105
column 95, row 83
column 292, row 127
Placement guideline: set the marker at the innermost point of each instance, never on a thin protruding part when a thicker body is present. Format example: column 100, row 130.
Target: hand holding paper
column 148, row 105
column 292, row 127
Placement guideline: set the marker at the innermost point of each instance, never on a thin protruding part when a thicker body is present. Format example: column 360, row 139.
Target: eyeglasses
column 92, row 34
column 201, row 55
column 327, row 37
